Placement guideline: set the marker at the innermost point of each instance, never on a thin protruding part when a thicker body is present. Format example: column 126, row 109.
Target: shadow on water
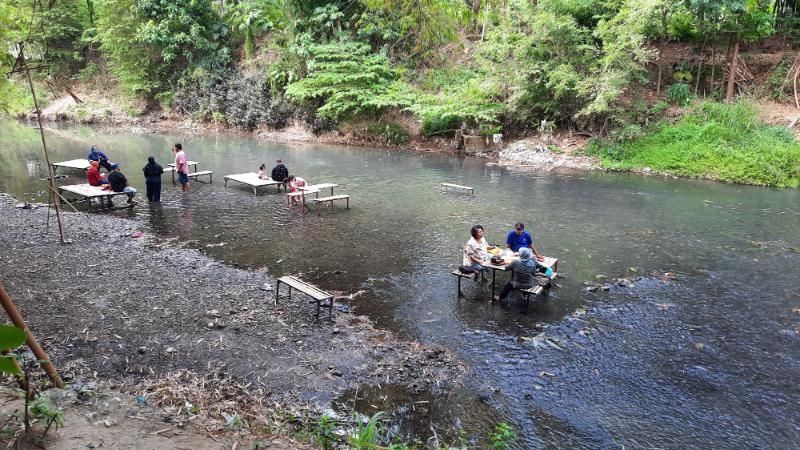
column 707, row 360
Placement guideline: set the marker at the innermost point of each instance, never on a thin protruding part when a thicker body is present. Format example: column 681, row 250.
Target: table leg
column 494, row 273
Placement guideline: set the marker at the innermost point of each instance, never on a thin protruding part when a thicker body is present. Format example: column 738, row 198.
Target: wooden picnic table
column 318, row 187
column 80, row 164
column 251, row 179
column 189, row 164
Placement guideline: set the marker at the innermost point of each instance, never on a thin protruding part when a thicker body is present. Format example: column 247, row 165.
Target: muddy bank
column 111, row 304
column 529, row 154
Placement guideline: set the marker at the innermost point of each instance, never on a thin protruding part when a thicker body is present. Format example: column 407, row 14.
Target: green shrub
column 503, row 436
column 435, row 123
column 391, row 133
column 323, row 432
column 718, row 141
column 365, row 437
column 679, row 93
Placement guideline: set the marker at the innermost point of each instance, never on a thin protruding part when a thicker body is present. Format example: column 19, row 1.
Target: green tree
column 151, row 43
column 348, row 79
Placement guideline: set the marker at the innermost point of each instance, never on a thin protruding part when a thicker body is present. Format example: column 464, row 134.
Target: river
column 703, row 351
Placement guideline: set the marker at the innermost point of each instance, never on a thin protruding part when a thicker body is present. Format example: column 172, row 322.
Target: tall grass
column 717, row 141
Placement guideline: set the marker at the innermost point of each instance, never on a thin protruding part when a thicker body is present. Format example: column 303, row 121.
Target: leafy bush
column 365, row 437
column 503, row 436
column 243, row 102
column 471, row 104
column 679, row 93
column 719, row 141
column 391, row 133
column 349, row 79
column 323, row 432
column 437, row 123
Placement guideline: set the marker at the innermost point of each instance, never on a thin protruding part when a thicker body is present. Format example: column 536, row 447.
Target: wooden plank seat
column 306, row 288
column 459, row 275
column 251, row 179
column 201, row 173
column 457, row 186
column 330, row 200
column 535, row 291
column 301, row 195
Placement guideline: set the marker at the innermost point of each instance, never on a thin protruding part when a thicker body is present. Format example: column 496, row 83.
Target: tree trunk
column 732, row 70
column 713, row 65
column 661, row 48
column 476, row 13
column 485, row 17
column 699, row 67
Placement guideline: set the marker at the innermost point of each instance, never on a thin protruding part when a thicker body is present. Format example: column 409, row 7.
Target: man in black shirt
column 280, row 173
column 119, row 183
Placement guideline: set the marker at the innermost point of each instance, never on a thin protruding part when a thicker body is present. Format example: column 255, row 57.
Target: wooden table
column 318, row 187
column 550, row 263
column 80, row 164
column 189, row 164
column 251, row 179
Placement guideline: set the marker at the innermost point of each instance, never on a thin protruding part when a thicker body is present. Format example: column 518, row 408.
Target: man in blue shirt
column 519, row 238
column 100, row 157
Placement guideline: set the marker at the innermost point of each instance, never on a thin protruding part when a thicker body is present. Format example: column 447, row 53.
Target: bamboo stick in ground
column 16, row 318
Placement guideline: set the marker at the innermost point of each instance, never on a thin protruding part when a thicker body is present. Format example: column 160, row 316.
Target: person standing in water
column 152, row 177
column 182, row 167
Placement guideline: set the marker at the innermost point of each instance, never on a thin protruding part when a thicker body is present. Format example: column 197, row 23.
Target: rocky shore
column 109, row 306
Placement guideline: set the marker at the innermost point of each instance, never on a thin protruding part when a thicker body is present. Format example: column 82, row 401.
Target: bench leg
column 330, row 309
column 460, row 294
column 277, row 290
column 348, row 202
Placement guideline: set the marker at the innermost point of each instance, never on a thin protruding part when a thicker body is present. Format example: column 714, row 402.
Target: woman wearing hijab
column 152, row 176
column 523, row 271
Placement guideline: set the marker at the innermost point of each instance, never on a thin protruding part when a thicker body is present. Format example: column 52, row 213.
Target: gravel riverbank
column 112, row 305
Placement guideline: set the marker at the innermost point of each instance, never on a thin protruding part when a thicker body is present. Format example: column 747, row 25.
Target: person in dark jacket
column 97, row 155
column 280, row 173
column 119, row 183
column 152, row 177
column 524, row 269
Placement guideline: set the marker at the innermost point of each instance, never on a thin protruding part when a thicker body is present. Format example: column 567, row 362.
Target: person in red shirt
column 93, row 175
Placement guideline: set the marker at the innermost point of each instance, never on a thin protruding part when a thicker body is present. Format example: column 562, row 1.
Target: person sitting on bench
column 119, row 183
column 476, row 252
column 295, row 183
column 523, row 273
column 262, row 172
column 93, row 175
column 280, row 173
column 97, row 155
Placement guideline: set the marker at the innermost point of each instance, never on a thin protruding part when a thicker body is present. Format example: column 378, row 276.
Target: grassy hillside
column 717, row 141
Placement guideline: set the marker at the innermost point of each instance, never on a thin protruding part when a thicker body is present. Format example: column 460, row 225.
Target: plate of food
column 494, row 251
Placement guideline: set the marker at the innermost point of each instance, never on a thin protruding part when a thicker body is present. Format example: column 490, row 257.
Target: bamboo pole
column 16, row 318
column 50, row 175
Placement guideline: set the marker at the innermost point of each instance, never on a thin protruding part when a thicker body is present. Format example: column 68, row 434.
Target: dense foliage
column 475, row 66
column 725, row 142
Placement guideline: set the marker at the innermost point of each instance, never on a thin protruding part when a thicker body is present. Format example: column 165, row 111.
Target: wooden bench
column 312, row 291
column 302, row 195
column 330, row 199
column 202, row 173
column 534, row 291
column 457, row 186
column 459, row 275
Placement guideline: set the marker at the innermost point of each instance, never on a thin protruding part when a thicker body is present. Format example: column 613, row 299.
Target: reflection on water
column 640, row 380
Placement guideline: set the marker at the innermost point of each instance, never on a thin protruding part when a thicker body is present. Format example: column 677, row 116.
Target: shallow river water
column 707, row 358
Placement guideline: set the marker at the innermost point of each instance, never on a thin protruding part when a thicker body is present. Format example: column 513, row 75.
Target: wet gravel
column 113, row 302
